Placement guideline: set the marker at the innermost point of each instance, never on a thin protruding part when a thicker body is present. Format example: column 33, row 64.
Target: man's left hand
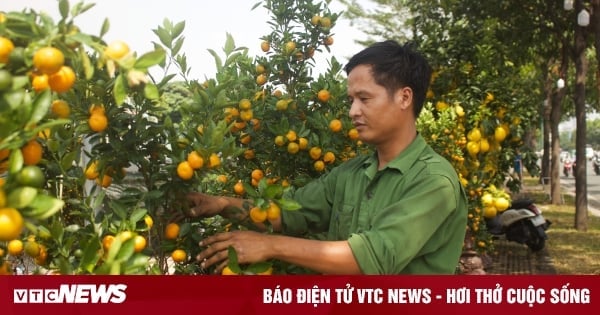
column 249, row 246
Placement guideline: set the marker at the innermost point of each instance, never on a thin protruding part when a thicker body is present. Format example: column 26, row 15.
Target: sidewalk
column 511, row 258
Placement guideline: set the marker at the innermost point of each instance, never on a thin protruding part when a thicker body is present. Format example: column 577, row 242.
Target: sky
column 206, row 26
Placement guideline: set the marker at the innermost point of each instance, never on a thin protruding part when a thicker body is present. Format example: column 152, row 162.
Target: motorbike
column 596, row 164
column 567, row 167
column 523, row 223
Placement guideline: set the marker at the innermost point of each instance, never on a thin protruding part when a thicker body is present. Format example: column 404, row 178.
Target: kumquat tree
column 97, row 150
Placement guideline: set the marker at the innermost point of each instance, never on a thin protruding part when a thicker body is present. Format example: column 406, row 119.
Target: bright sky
column 206, row 26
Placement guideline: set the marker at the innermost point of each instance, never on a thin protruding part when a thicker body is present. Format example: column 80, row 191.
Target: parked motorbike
column 522, row 223
column 596, row 164
column 567, row 167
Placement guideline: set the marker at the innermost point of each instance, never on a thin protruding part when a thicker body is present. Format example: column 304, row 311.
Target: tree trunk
column 546, row 145
column 555, row 115
column 545, row 114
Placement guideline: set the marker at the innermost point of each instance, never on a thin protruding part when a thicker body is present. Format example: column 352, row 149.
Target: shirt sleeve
column 316, row 199
column 403, row 231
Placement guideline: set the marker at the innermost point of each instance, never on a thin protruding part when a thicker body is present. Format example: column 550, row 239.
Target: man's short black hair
column 395, row 66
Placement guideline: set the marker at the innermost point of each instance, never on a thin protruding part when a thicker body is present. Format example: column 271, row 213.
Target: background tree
column 519, row 51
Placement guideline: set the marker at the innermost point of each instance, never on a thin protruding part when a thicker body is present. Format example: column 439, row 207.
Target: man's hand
column 249, row 246
column 203, row 205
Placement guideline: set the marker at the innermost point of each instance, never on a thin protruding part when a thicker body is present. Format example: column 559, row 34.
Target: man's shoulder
column 357, row 161
column 434, row 159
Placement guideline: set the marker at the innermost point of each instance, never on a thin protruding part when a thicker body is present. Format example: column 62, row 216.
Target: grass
column 571, row 251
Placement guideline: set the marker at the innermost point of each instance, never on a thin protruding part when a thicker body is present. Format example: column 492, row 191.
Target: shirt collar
column 402, row 162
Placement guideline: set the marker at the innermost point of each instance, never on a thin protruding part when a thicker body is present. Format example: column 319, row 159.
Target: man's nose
column 354, row 109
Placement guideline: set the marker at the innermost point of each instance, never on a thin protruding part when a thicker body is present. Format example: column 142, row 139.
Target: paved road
column 593, row 188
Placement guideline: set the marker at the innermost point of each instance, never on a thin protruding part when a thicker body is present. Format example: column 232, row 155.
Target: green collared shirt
column 408, row 218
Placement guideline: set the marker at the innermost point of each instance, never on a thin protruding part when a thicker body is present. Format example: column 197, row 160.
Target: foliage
column 120, row 151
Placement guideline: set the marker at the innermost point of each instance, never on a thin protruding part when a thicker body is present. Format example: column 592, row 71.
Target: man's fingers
column 193, row 197
column 221, row 266
column 220, row 237
column 210, row 257
column 193, row 212
column 214, row 244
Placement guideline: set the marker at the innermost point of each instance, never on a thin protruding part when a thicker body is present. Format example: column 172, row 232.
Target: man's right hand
column 203, row 205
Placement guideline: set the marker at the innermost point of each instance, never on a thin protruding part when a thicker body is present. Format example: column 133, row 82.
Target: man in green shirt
column 401, row 210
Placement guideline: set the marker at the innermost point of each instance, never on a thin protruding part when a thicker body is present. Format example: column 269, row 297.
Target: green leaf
column 250, row 190
column 63, row 7
column 21, row 197
column 41, row 105
column 82, row 8
column 88, row 69
column 222, row 100
column 97, row 200
column 137, row 215
column 135, row 265
column 64, row 266
column 259, row 267
column 288, row 204
column 154, row 194
column 231, row 59
column 43, row 232
column 115, row 269
column 67, row 161
column 115, row 247
column 45, row 206
column 229, row 44
column 105, row 27
column 273, row 191
column 218, row 61
column 119, row 209
column 127, row 249
column 150, row 59
column 15, row 161
column 57, row 230
column 262, row 186
column 233, row 260
column 14, row 99
column 151, row 91
column 72, row 228
column 178, row 29
column 164, row 36
column 20, row 81
column 120, row 89
column 177, row 47
column 184, row 229
column 84, row 39
column 90, row 255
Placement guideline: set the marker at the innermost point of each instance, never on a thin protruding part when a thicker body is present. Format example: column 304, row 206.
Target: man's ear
column 404, row 97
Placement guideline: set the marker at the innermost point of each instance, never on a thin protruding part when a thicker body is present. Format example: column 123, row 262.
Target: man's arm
column 327, row 257
column 232, row 208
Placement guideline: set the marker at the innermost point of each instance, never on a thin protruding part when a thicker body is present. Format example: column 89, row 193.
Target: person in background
column 518, row 165
column 400, row 210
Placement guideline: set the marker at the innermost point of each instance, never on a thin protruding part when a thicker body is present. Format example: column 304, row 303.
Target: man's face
column 375, row 113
